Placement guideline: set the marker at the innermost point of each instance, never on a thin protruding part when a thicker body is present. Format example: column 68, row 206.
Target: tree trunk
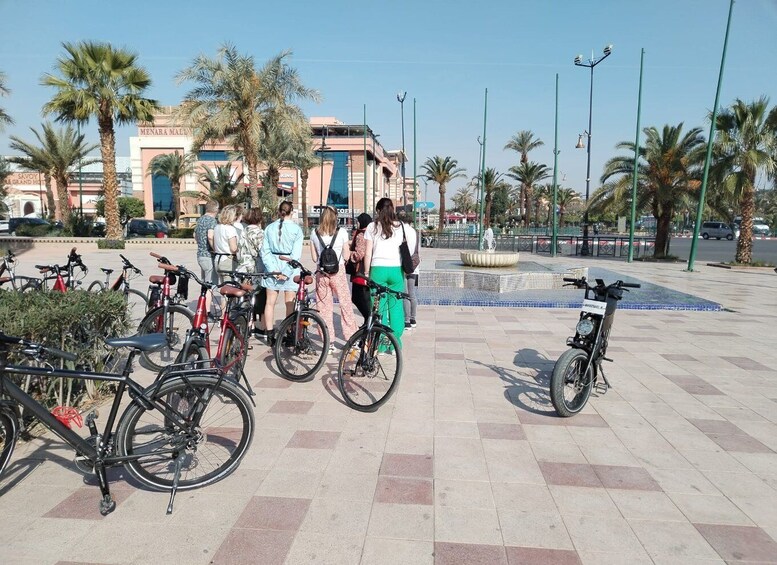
column 527, row 192
column 303, row 175
column 745, row 242
column 663, row 228
column 64, row 205
column 49, row 196
column 110, row 182
column 176, row 186
column 253, row 179
column 441, row 223
column 521, row 210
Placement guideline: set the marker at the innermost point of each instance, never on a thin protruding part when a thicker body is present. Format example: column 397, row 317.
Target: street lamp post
column 591, row 63
column 324, row 131
column 401, row 99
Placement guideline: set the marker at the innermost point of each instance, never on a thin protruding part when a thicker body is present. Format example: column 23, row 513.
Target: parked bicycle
column 8, row 272
column 189, row 429
column 166, row 315
column 301, row 341
column 371, row 362
column 137, row 304
column 64, row 276
column 578, row 369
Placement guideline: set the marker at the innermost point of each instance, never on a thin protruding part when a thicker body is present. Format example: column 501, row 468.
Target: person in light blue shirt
column 282, row 242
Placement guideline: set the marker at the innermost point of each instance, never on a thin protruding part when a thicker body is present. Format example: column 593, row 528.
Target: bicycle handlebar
column 11, row 340
column 382, row 289
column 182, row 271
column 583, row 283
column 160, row 258
column 128, row 265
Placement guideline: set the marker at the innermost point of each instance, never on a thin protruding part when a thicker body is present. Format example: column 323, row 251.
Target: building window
column 210, row 155
column 162, row 193
column 338, row 184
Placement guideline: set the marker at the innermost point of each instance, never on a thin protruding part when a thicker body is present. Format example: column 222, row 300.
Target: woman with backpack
column 282, row 242
column 329, row 249
column 383, row 260
column 360, row 292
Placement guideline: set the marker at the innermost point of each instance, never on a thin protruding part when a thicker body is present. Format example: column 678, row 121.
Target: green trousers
column 391, row 308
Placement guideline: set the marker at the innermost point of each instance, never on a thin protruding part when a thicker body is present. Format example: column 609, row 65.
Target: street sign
column 424, row 205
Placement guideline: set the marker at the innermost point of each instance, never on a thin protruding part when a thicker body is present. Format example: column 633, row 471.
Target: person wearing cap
column 360, row 294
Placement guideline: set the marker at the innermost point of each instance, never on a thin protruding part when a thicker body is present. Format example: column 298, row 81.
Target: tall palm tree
column 492, row 181
column 106, row 83
column 464, row 200
column 528, row 173
column 746, row 145
column 175, row 167
column 59, row 153
column 442, row 170
column 5, row 119
column 564, row 198
column 542, row 196
column 304, row 158
column 35, row 160
column 523, row 143
column 5, row 172
column 222, row 184
column 668, row 175
column 232, row 100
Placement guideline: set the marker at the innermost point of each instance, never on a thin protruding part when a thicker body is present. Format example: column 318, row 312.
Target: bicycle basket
column 183, row 288
column 154, row 293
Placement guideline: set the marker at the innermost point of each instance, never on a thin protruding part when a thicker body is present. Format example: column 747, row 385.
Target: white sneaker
column 331, row 348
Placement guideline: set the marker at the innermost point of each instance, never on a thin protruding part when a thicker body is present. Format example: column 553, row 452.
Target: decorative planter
column 488, row 259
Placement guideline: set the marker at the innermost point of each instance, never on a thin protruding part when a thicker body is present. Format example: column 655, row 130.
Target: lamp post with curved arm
column 591, row 63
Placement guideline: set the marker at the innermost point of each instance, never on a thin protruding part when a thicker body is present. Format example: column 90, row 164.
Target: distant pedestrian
column 329, row 285
column 225, row 241
column 360, row 293
column 203, row 235
column 411, row 304
column 250, row 261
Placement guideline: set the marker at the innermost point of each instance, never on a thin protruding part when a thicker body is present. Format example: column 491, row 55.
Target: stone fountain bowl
column 488, row 259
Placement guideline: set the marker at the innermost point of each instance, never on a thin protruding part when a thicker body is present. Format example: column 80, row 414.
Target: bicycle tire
column 234, row 344
column 179, row 320
column 31, row 285
column 9, row 428
column 366, row 377
column 567, row 374
column 96, row 286
column 214, row 447
column 137, row 306
column 192, row 352
column 300, row 354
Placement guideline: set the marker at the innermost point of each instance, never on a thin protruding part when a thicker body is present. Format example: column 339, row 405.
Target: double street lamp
column 591, row 63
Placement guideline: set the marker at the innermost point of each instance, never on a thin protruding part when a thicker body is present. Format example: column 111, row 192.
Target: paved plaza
column 677, row 464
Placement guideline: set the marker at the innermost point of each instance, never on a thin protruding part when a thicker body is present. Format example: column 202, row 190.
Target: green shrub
column 110, row 244
column 74, row 321
column 182, row 233
column 28, row 230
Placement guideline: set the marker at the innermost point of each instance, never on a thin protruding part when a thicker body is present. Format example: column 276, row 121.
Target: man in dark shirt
column 203, row 235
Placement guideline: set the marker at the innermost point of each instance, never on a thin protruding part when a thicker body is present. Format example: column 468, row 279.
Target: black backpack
column 328, row 261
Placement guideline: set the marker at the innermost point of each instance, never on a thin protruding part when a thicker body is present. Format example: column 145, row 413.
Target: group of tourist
column 232, row 239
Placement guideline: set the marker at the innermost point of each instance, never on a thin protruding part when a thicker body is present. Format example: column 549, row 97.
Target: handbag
column 350, row 266
column 404, row 254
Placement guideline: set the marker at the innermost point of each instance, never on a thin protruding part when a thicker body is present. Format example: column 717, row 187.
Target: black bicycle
column 189, row 429
column 137, row 303
column 578, row 369
column 371, row 361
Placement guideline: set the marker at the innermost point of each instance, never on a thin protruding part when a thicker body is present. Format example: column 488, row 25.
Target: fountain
column 488, row 259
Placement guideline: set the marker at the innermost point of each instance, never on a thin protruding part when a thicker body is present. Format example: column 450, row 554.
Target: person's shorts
column 206, row 269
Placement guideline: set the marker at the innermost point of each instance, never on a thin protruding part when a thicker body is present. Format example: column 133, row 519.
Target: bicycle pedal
column 601, row 388
column 603, row 358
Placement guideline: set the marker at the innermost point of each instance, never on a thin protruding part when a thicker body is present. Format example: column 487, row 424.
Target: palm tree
column 464, row 200
column 174, row 166
column 58, row 154
column 746, row 145
column 304, row 158
column 528, row 173
column 492, row 181
column 523, row 142
column 442, row 170
column 668, row 175
column 564, row 198
column 100, row 81
column 222, row 185
column 5, row 172
column 5, row 119
column 542, row 196
column 234, row 101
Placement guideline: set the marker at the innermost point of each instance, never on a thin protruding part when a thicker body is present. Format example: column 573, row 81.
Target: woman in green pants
column 383, row 262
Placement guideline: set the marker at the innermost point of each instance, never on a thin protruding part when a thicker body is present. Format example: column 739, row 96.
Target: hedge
column 110, row 244
column 182, row 233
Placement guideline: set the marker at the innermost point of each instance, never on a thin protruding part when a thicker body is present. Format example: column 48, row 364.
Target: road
column 712, row 250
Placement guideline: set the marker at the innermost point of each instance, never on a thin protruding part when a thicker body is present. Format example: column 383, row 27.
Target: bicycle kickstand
column 178, row 465
column 107, row 503
column 248, row 384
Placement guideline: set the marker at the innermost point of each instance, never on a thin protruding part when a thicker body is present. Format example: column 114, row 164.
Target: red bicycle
column 63, row 275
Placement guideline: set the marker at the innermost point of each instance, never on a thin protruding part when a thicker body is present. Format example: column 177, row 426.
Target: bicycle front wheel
column 192, row 353
column 96, row 286
column 206, row 424
column 369, row 369
column 174, row 323
column 570, row 383
column 301, row 346
column 8, row 431
column 136, row 306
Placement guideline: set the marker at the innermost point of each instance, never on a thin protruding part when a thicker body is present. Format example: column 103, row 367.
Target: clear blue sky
column 443, row 53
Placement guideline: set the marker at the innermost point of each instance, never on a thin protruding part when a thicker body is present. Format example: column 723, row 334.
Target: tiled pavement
column 467, row 464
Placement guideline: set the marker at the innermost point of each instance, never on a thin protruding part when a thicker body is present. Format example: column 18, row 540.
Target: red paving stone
column 268, row 547
column 273, row 513
column 273, row 382
column 569, row 474
column 468, row 554
column 740, row 543
column 405, row 465
column 398, row 490
column 626, row 478
column 741, row 443
column 490, row 430
column 291, row 407
column 716, row 426
column 83, row 504
column 552, row 419
column 311, row 439
column 539, row 556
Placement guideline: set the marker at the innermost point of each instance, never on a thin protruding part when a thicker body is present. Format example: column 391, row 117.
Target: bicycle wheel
column 96, row 286
column 8, row 431
column 32, row 285
column 369, row 369
column 570, row 386
column 175, row 324
column 212, row 433
column 136, row 306
column 234, row 346
column 301, row 349
column 192, row 352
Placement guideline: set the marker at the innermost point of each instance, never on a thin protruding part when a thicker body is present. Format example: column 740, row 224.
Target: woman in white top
column 330, row 285
column 384, row 263
column 225, row 241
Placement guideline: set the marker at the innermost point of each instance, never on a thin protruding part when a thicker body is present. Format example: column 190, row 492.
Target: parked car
column 14, row 223
column 141, row 227
column 718, row 230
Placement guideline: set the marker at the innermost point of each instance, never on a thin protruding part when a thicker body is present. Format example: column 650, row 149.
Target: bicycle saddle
column 106, row 271
column 145, row 342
